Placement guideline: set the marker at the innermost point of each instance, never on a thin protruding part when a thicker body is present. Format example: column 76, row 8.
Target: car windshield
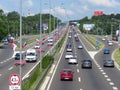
column 67, row 71
column 30, row 54
column 17, row 54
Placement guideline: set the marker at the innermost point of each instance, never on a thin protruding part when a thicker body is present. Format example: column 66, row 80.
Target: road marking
column 0, row 74
column 108, row 79
column 78, row 70
column 10, row 68
column 111, row 83
column 106, row 76
column 81, row 89
column 115, row 88
column 79, row 79
column 103, row 73
column 102, row 70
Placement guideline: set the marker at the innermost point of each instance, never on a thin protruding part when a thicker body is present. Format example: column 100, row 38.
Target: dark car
column 66, row 74
column 86, row 63
column 106, row 51
column 17, row 56
column 108, row 63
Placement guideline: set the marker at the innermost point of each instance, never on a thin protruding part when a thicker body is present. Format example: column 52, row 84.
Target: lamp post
column 40, row 34
column 20, row 43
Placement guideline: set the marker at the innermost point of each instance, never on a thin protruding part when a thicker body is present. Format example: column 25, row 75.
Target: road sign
column 97, row 42
column 14, row 87
column 14, row 79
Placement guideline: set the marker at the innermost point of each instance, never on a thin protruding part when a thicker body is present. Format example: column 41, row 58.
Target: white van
column 31, row 55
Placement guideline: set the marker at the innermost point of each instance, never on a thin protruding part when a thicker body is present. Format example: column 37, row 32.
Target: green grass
column 117, row 56
column 92, row 40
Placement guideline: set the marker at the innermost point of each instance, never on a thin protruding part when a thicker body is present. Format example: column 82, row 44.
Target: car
column 80, row 46
column 37, row 46
column 76, row 39
column 86, row 63
column 108, row 63
column 68, row 55
column 110, row 43
column 50, row 43
column 20, row 63
column 103, row 39
column 17, row 56
column 68, row 45
column 106, row 51
column 66, row 74
column 6, row 42
column 73, row 60
column 69, row 49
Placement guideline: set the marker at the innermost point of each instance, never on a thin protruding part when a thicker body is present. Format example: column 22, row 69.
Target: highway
column 7, row 68
column 97, row 78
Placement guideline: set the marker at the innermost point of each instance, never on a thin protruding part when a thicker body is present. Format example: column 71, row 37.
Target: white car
column 68, row 55
column 37, row 46
column 72, row 60
column 69, row 49
column 103, row 39
column 80, row 46
column 110, row 43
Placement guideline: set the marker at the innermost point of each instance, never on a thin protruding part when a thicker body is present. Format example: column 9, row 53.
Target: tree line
column 10, row 23
column 105, row 24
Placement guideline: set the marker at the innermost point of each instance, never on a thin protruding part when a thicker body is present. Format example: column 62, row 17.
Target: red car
column 66, row 74
column 40, row 50
column 20, row 63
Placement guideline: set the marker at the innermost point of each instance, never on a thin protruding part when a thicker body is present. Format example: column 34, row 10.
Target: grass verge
column 92, row 40
column 117, row 56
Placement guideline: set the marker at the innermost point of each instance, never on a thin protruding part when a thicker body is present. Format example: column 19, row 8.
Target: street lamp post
column 40, row 33
column 20, row 43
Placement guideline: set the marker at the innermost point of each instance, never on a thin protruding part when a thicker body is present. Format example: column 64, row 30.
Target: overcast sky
column 64, row 9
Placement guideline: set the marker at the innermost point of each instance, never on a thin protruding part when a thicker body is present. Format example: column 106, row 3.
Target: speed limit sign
column 14, row 79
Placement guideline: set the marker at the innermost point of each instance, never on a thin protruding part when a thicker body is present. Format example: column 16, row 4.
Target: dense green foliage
column 10, row 23
column 47, row 60
column 104, row 24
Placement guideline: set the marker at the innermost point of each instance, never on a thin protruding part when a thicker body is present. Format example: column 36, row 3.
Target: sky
column 63, row 9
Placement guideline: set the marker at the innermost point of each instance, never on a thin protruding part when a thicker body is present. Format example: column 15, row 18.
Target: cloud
column 106, row 3
column 29, row 3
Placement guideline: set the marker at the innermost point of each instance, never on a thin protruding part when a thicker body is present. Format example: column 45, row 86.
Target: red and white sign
column 14, row 79
column 98, row 13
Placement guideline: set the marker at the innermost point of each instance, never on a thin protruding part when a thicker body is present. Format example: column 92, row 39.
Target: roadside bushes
column 30, row 83
column 47, row 60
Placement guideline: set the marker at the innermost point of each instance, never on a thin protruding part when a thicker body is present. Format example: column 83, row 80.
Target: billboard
column 45, row 26
column 98, row 13
column 88, row 27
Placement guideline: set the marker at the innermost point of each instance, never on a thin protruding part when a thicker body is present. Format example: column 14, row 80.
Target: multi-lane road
column 7, row 67
column 97, row 78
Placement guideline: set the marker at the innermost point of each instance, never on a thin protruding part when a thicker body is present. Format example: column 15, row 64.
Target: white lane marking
column 102, row 70
column 103, row 73
column 79, row 79
column 81, row 89
column 108, row 79
column 106, row 76
column 10, row 68
column 78, row 70
column 0, row 74
column 115, row 88
column 111, row 83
